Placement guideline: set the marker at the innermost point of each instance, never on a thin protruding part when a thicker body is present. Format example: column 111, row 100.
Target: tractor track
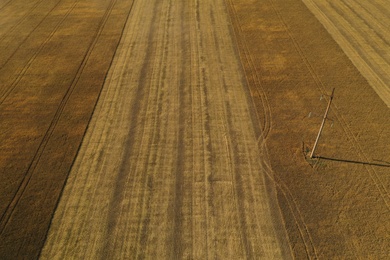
column 19, row 193
column 7, row 90
column 279, row 183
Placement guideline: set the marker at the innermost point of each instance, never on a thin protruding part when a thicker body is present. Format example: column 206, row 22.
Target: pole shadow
column 384, row 164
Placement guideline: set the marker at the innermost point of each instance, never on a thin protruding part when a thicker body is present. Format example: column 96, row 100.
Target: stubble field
column 174, row 129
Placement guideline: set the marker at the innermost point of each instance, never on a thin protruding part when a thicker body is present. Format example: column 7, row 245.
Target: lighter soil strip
column 170, row 167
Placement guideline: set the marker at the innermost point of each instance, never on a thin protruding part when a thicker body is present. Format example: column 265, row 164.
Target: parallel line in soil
column 238, row 205
column 304, row 230
column 294, row 208
column 359, row 36
column 5, row 4
column 21, row 20
column 346, row 128
column 20, row 191
column 363, row 53
column 258, row 88
column 29, row 34
column 7, row 91
column 382, row 32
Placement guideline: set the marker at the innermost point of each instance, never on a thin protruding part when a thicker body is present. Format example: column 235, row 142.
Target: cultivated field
column 336, row 205
column 181, row 129
column 361, row 28
column 53, row 61
column 170, row 166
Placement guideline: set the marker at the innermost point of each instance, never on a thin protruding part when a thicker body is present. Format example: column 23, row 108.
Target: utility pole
column 322, row 125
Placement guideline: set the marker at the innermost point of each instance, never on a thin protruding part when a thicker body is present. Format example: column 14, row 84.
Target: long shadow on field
column 384, row 164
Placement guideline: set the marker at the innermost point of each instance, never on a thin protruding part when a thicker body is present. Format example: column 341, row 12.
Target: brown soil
column 54, row 60
column 361, row 29
column 336, row 207
column 170, row 166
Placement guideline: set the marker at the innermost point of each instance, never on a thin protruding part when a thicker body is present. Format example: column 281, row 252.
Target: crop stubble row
column 176, row 101
column 53, row 65
column 332, row 208
column 170, row 167
column 361, row 30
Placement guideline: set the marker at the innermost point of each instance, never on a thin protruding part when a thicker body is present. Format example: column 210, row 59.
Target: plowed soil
column 182, row 129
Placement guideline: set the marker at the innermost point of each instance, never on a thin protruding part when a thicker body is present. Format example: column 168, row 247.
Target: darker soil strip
column 296, row 61
column 23, row 236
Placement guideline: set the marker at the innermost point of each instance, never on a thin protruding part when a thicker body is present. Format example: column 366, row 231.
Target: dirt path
column 361, row 28
column 170, row 167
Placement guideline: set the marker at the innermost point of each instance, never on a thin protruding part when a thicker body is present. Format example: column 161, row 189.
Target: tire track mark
column 87, row 139
column 247, row 59
column 132, row 75
column 100, row 140
column 5, row 4
column 139, row 176
column 182, row 99
column 241, row 174
column 154, row 121
column 294, row 208
column 200, row 138
column 200, row 78
column 7, row 91
column 6, row 213
column 134, row 204
column 161, row 107
column 129, row 152
column 4, row 220
column 363, row 157
column 27, row 37
column 238, row 189
column 252, row 77
column 27, row 14
column 228, row 137
column 322, row 88
column 373, row 175
column 346, row 128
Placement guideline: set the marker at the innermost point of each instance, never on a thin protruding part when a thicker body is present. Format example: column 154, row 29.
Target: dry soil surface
column 335, row 205
column 361, row 28
column 204, row 113
column 53, row 61
column 170, row 167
